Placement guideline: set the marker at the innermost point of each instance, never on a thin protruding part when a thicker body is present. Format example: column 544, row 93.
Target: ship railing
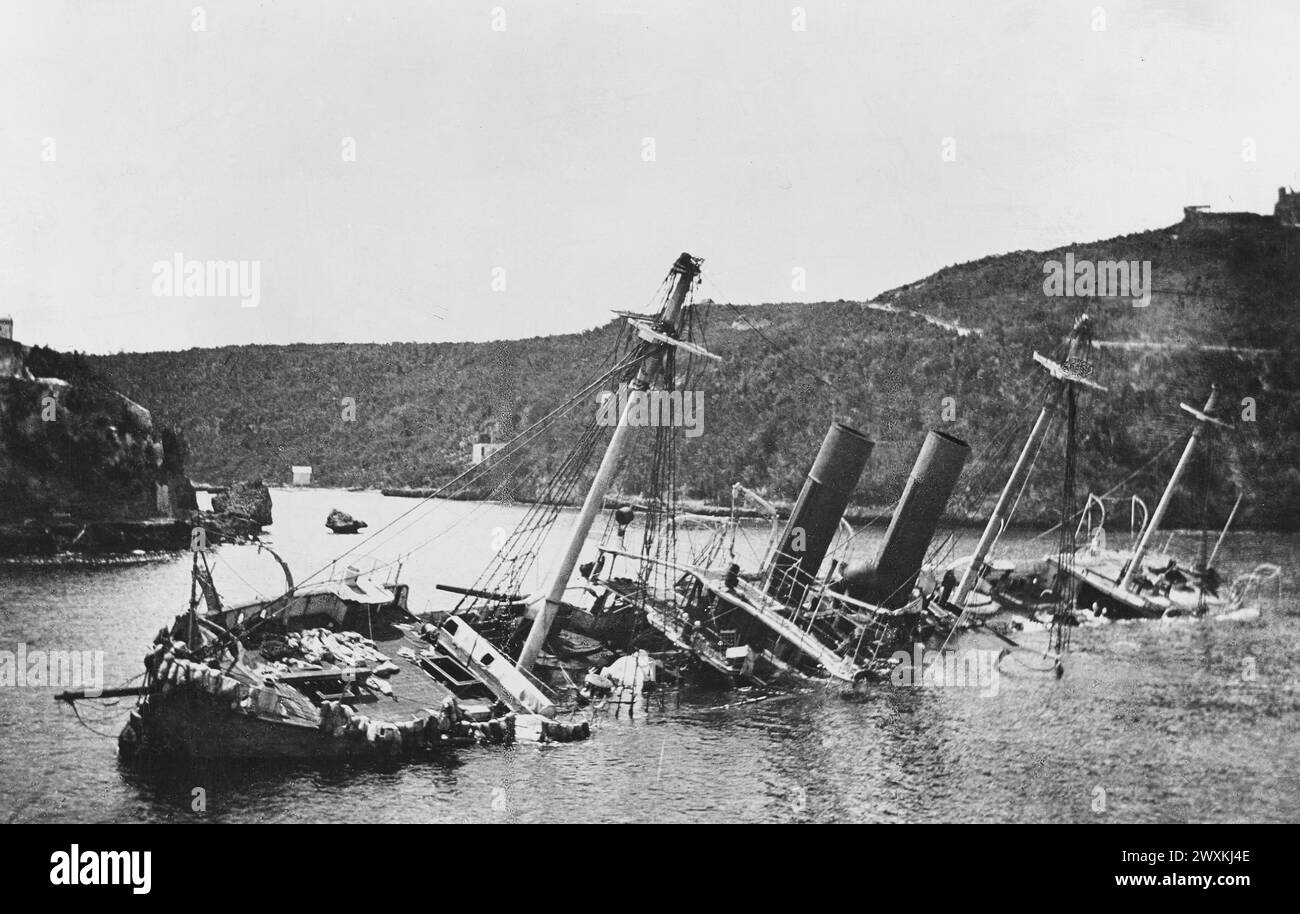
column 826, row 607
column 803, row 612
column 880, row 621
column 820, row 610
column 789, row 580
column 697, row 573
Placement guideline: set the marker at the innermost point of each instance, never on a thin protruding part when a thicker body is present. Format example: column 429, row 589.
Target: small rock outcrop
column 343, row 522
column 250, row 500
column 239, row 513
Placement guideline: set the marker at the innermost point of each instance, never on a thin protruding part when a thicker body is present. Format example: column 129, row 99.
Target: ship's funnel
column 816, row 515
column 889, row 580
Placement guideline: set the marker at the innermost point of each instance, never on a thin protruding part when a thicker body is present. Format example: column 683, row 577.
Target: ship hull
column 193, row 728
column 394, row 691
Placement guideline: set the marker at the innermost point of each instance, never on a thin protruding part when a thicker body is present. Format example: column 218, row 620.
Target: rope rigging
column 505, row 574
column 472, row 475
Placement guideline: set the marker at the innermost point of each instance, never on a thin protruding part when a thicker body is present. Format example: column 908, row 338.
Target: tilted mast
column 1202, row 416
column 657, row 339
column 1064, row 375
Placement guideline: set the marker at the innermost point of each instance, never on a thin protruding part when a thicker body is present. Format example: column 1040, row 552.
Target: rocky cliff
column 82, row 467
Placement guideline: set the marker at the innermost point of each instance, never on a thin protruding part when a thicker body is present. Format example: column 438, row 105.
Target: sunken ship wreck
column 336, row 669
column 632, row 616
column 343, row 669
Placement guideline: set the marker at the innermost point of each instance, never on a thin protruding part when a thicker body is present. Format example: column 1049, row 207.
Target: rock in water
column 251, row 500
column 343, row 522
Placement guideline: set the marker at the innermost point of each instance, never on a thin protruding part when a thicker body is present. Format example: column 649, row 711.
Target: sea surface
column 1152, row 722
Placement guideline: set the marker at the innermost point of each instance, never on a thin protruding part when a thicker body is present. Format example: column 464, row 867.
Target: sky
column 433, row 171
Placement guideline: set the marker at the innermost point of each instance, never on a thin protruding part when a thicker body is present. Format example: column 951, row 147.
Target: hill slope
column 789, row 369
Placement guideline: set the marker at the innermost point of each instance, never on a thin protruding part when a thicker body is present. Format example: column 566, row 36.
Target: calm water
column 1159, row 716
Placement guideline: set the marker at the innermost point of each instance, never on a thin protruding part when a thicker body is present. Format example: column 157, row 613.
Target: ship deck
column 413, row 688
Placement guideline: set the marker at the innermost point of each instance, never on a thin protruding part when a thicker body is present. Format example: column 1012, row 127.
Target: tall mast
column 1002, row 510
column 1066, row 374
column 657, row 340
column 1139, row 552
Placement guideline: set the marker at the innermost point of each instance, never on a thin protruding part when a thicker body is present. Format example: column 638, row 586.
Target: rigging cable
column 525, row 437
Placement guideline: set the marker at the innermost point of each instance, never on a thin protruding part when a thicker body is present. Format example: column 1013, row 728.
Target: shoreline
column 856, row 515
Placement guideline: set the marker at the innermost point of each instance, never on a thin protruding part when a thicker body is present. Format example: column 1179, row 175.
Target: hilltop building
column 1286, row 212
column 13, row 354
column 1201, row 218
column 13, row 360
column 1287, row 209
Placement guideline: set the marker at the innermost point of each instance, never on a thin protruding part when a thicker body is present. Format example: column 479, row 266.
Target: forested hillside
column 790, row 369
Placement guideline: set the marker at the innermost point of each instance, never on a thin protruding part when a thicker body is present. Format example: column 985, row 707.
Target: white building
column 301, row 476
column 484, row 449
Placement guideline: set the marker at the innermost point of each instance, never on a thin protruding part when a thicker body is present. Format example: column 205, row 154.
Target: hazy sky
column 127, row 135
